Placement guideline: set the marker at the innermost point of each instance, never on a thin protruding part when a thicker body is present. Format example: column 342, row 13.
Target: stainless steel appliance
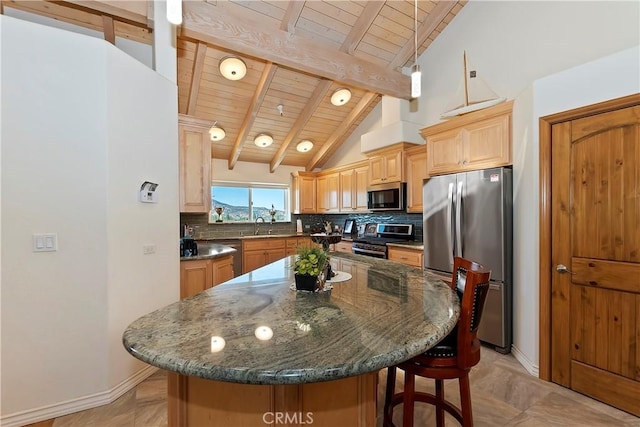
column 374, row 242
column 470, row 215
column 386, row 197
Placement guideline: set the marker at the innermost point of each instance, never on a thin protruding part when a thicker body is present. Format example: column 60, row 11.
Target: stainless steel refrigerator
column 470, row 215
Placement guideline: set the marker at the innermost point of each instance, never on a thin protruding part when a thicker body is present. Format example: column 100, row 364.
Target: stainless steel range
column 374, row 241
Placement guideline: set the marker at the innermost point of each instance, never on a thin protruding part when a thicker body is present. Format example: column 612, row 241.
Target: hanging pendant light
column 416, row 75
column 174, row 11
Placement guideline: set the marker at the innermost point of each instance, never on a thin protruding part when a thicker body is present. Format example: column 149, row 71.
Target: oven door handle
column 367, row 251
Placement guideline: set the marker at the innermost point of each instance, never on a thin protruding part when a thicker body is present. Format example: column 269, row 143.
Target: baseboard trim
column 78, row 404
column 531, row 367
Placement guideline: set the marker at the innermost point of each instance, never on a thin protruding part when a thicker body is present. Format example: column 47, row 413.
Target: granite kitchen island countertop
column 256, row 329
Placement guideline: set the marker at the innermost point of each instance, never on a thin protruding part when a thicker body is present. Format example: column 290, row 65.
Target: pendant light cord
column 415, row 31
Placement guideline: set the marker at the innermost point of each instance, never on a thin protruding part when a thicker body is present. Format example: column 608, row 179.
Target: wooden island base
column 196, row 402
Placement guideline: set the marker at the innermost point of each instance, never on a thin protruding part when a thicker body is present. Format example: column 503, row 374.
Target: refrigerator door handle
column 459, row 219
column 450, row 235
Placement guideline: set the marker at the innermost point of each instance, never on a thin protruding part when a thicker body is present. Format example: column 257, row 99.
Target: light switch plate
column 47, row 242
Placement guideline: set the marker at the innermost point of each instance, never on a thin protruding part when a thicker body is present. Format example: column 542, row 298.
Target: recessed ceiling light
column 341, row 96
column 263, row 140
column 217, row 133
column 304, row 146
column 232, row 68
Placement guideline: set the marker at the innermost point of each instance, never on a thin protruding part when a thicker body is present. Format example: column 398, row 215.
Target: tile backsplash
column 203, row 230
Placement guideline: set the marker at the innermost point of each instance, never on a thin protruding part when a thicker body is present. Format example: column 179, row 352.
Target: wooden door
column 595, row 253
column 393, row 167
column 416, row 172
column 252, row 260
column 222, row 270
column 307, row 194
column 332, row 189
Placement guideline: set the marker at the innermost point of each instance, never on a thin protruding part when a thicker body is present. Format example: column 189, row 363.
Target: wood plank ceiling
column 297, row 54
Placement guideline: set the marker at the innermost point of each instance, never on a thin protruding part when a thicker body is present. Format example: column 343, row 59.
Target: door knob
column 561, row 268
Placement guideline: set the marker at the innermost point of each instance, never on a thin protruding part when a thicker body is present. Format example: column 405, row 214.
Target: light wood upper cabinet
column 304, row 193
column 415, row 172
column 353, row 188
column 328, row 187
column 386, row 166
column 194, row 156
column 477, row 140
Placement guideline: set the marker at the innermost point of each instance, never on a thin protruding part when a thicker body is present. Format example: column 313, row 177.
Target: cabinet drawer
column 344, row 247
column 259, row 244
column 406, row 256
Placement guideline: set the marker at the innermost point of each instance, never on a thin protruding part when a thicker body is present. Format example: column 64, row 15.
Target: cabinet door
column 393, row 167
column 272, row 255
column 486, row 144
column 222, row 270
column 444, row 152
column 307, row 194
column 252, row 260
column 333, row 188
column 195, row 276
column 376, row 170
column 291, row 246
column 321, row 185
column 194, row 156
column 347, row 191
column 416, row 173
column 359, row 195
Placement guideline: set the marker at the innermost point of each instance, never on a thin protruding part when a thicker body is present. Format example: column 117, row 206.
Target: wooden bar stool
column 453, row 357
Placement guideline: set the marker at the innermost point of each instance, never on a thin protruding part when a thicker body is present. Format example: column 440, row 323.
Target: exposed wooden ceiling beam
column 316, row 98
column 132, row 11
column 108, row 29
column 196, row 75
column 336, row 137
column 248, row 36
column 425, row 29
column 361, row 26
column 294, row 9
column 258, row 96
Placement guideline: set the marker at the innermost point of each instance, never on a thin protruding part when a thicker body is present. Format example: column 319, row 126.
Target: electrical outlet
column 45, row 242
column 148, row 249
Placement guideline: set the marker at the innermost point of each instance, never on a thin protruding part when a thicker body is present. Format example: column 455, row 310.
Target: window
column 242, row 202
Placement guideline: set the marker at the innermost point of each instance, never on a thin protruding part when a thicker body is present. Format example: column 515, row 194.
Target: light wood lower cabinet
column 260, row 252
column 412, row 257
column 195, row 402
column 292, row 244
column 198, row 275
column 343, row 246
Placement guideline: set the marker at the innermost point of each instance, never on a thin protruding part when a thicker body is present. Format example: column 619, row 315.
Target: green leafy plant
column 310, row 261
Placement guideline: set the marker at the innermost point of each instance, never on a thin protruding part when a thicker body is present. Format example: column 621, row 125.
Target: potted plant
column 310, row 268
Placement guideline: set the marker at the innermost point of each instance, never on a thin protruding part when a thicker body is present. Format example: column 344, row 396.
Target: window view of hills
column 241, row 213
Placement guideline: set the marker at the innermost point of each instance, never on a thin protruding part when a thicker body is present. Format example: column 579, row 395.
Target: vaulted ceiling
column 297, row 54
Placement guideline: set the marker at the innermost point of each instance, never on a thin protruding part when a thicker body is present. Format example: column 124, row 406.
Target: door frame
column 546, row 269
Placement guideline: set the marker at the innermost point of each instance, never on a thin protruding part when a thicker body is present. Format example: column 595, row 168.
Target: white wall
column 251, row 172
column 511, row 45
column 82, row 126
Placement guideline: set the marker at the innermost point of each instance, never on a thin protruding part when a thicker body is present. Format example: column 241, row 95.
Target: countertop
column 210, row 251
column 385, row 314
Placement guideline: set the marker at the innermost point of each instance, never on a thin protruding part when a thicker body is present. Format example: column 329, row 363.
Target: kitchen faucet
column 256, row 227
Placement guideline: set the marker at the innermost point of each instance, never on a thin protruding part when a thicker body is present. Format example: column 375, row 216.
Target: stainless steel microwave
column 386, row 197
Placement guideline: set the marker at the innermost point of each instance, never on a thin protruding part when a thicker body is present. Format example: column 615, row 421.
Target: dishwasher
column 237, row 257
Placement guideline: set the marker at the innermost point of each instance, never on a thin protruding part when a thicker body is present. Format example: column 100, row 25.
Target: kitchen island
column 253, row 351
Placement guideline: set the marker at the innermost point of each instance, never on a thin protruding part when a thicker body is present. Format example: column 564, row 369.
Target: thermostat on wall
column 148, row 192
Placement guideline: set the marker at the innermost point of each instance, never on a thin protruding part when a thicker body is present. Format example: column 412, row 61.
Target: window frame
column 250, row 186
